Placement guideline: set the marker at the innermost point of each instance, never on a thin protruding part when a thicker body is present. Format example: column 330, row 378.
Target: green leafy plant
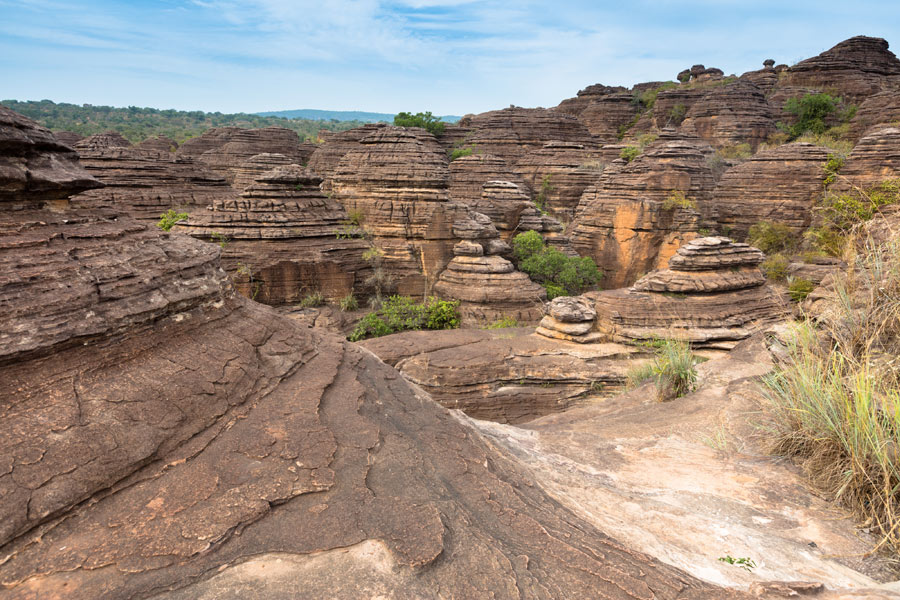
column 629, row 153
column 349, row 303
column 810, row 112
column 460, row 152
column 831, row 168
column 402, row 313
column 800, row 288
column 219, row 238
column 672, row 369
column 772, row 237
column 560, row 274
column 744, row 563
column 504, row 323
column 425, row 120
column 838, row 213
column 677, row 199
column 775, row 267
column 540, row 200
column 735, row 151
column 312, row 300
column 677, row 114
column 169, row 219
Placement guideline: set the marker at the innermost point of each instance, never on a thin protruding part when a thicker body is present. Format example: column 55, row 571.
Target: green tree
column 560, row 274
column 425, row 120
column 810, row 111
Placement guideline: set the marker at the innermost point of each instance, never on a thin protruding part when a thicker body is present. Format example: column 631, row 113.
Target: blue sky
column 447, row 56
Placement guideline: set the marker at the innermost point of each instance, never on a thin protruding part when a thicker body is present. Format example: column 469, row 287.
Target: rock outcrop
column 327, row 155
column 876, row 112
column 397, row 180
column 164, row 436
column 575, row 106
column 780, row 185
column 874, row 159
column 68, row 138
column 283, row 239
column 468, row 174
column 247, row 174
column 634, row 218
column 569, row 318
column 713, row 294
column 607, row 116
column 488, row 286
column 559, row 173
column 732, row 114
column 159, row 143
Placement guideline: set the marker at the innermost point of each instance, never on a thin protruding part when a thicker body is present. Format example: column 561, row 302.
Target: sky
column 444, row 56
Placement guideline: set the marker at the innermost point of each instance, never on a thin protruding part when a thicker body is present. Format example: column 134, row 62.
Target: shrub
column 839, row 147
column 425, row 120
column 219, row 238
column 355, row 217
column 735, row 151
column 560, row 274
column 540, row 200
column 835, row 404
column 677, row 199
column 460, row 152
column 800, row 288
column 831, row 168
column 672, row 369
column 839, row 213
column 629, row 153
column 168, row 220
column 402, row 313
column 772, row 237
column 775, row 267
column 349, row 303
column 312, row 300
column 504, row 323
column 677, row 114
column 810, row 112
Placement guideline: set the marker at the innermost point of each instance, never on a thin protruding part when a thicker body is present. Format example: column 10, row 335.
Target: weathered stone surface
column 283, row 239
column 876, row 112
column 165, row 436
column 247, row 174
column 507, row 204
column 226, row 149
column 512, row 132
column 69, row 138
column 159, row 143
column 780, row 185
column 559, row 173
column 875, row 158
column 853, row 69
column 569, row 318
column 574, row 106
column 397, row 179
column 765, row 79
column 506, row 375
column 571, row 309
column 109, row 139
column 621, row 222
column 145, row 183
column 327, row 155
column 731, row 114
column 713, row 294
column 35, row 168
column 607, row 116
column 468, row 175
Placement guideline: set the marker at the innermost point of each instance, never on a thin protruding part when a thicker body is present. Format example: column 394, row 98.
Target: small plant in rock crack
column 744, row 562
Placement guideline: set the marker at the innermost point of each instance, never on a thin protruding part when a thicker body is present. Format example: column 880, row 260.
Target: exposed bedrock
column 877, row 112
column 874, row 159
column 713, row 294
column 781, row 185
column 639, row 213
column 327, row 155
column 558, row 174
column 730, row 114
column 468, row 174
column 397, row 181
column 283, row 239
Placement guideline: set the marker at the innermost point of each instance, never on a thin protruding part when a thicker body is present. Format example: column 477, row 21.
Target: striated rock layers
column 283, row 239
column 165, row 437
column 488, row 286
column 713, row 294
column 559, row 173
column 397, row 181
column 569, row 318
column 854, row 69
column 731, row 114
column 876, row 112
column 639, row 213
column 146, row 183
column 468, row 174
column 327, row 155
column 874, row 159
column 780, row 185
column 606, row 113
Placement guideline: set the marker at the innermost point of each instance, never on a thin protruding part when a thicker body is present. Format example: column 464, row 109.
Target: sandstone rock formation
column 283, row 239
column 68, row 138
column 246, row 174
column 569, row 318
column 633, row 220
column 327, row 155
column 488, row 286
column 731, row 114
column 713, row 294
column 874, row 159
column 606, row 116
column 575, row 106
column 877, row 111
column 780, row 185
column 163, row 436
column 159, row 143
column 559, row 173
column 397, row 180
column 109, row 139
column 468, row 174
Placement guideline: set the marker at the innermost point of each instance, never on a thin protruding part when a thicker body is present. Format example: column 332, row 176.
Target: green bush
column 677, row 199
column 677, row 114
column 772, row 237
column 838, row 214
column 775, row 267
column 349, row 303
column 735, row 151
column 810, row 113
column 629, row 153
column 168, row 220
column 312, row 300
column 672, row 369
column 460, row 152
column 540, row 200
column 800, row 288
column 402, row 313
column 504, row 323
column 425, row 120
column 561, row 275
column 832, row 166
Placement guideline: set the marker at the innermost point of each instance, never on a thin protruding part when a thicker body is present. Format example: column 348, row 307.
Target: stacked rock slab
column 488, row 286
column 570, row 318
column 283, row 239
column 559, row 173
column 397, row 179
column 732, row 114
column 874, row 159
column 164, row 436
column 247, row 174
column 468, row 174
column 327, row 155
column 159, row 143
column 575, row 106
column 876, row 112
column 780, row 185
column 68, row 138
column 713, row 295
column 146, row 183
column 632, row 220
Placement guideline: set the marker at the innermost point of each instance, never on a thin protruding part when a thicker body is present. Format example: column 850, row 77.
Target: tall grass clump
column 835, row 403
column 672, row 369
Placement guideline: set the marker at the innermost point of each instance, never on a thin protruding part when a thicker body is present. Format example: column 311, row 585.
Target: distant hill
column 340, row 115
column 137, row 124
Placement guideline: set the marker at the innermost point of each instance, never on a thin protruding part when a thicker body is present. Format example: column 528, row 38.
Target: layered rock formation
column 877, row 111
column 780, row 185
column 488, row 286
column 163, row 436
column 283, row 239
column 159, row 143
column 633, row 219
column 853, row 69
column 731, row 114
column 607, row 116
column 247, row 174
column 575, row 106
column 559, row 173
column 874, row 159
column 327, row 155
column 569, row 318
column 397, row 180
column 713, row 294
column 68, row 138
column 468, row 174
